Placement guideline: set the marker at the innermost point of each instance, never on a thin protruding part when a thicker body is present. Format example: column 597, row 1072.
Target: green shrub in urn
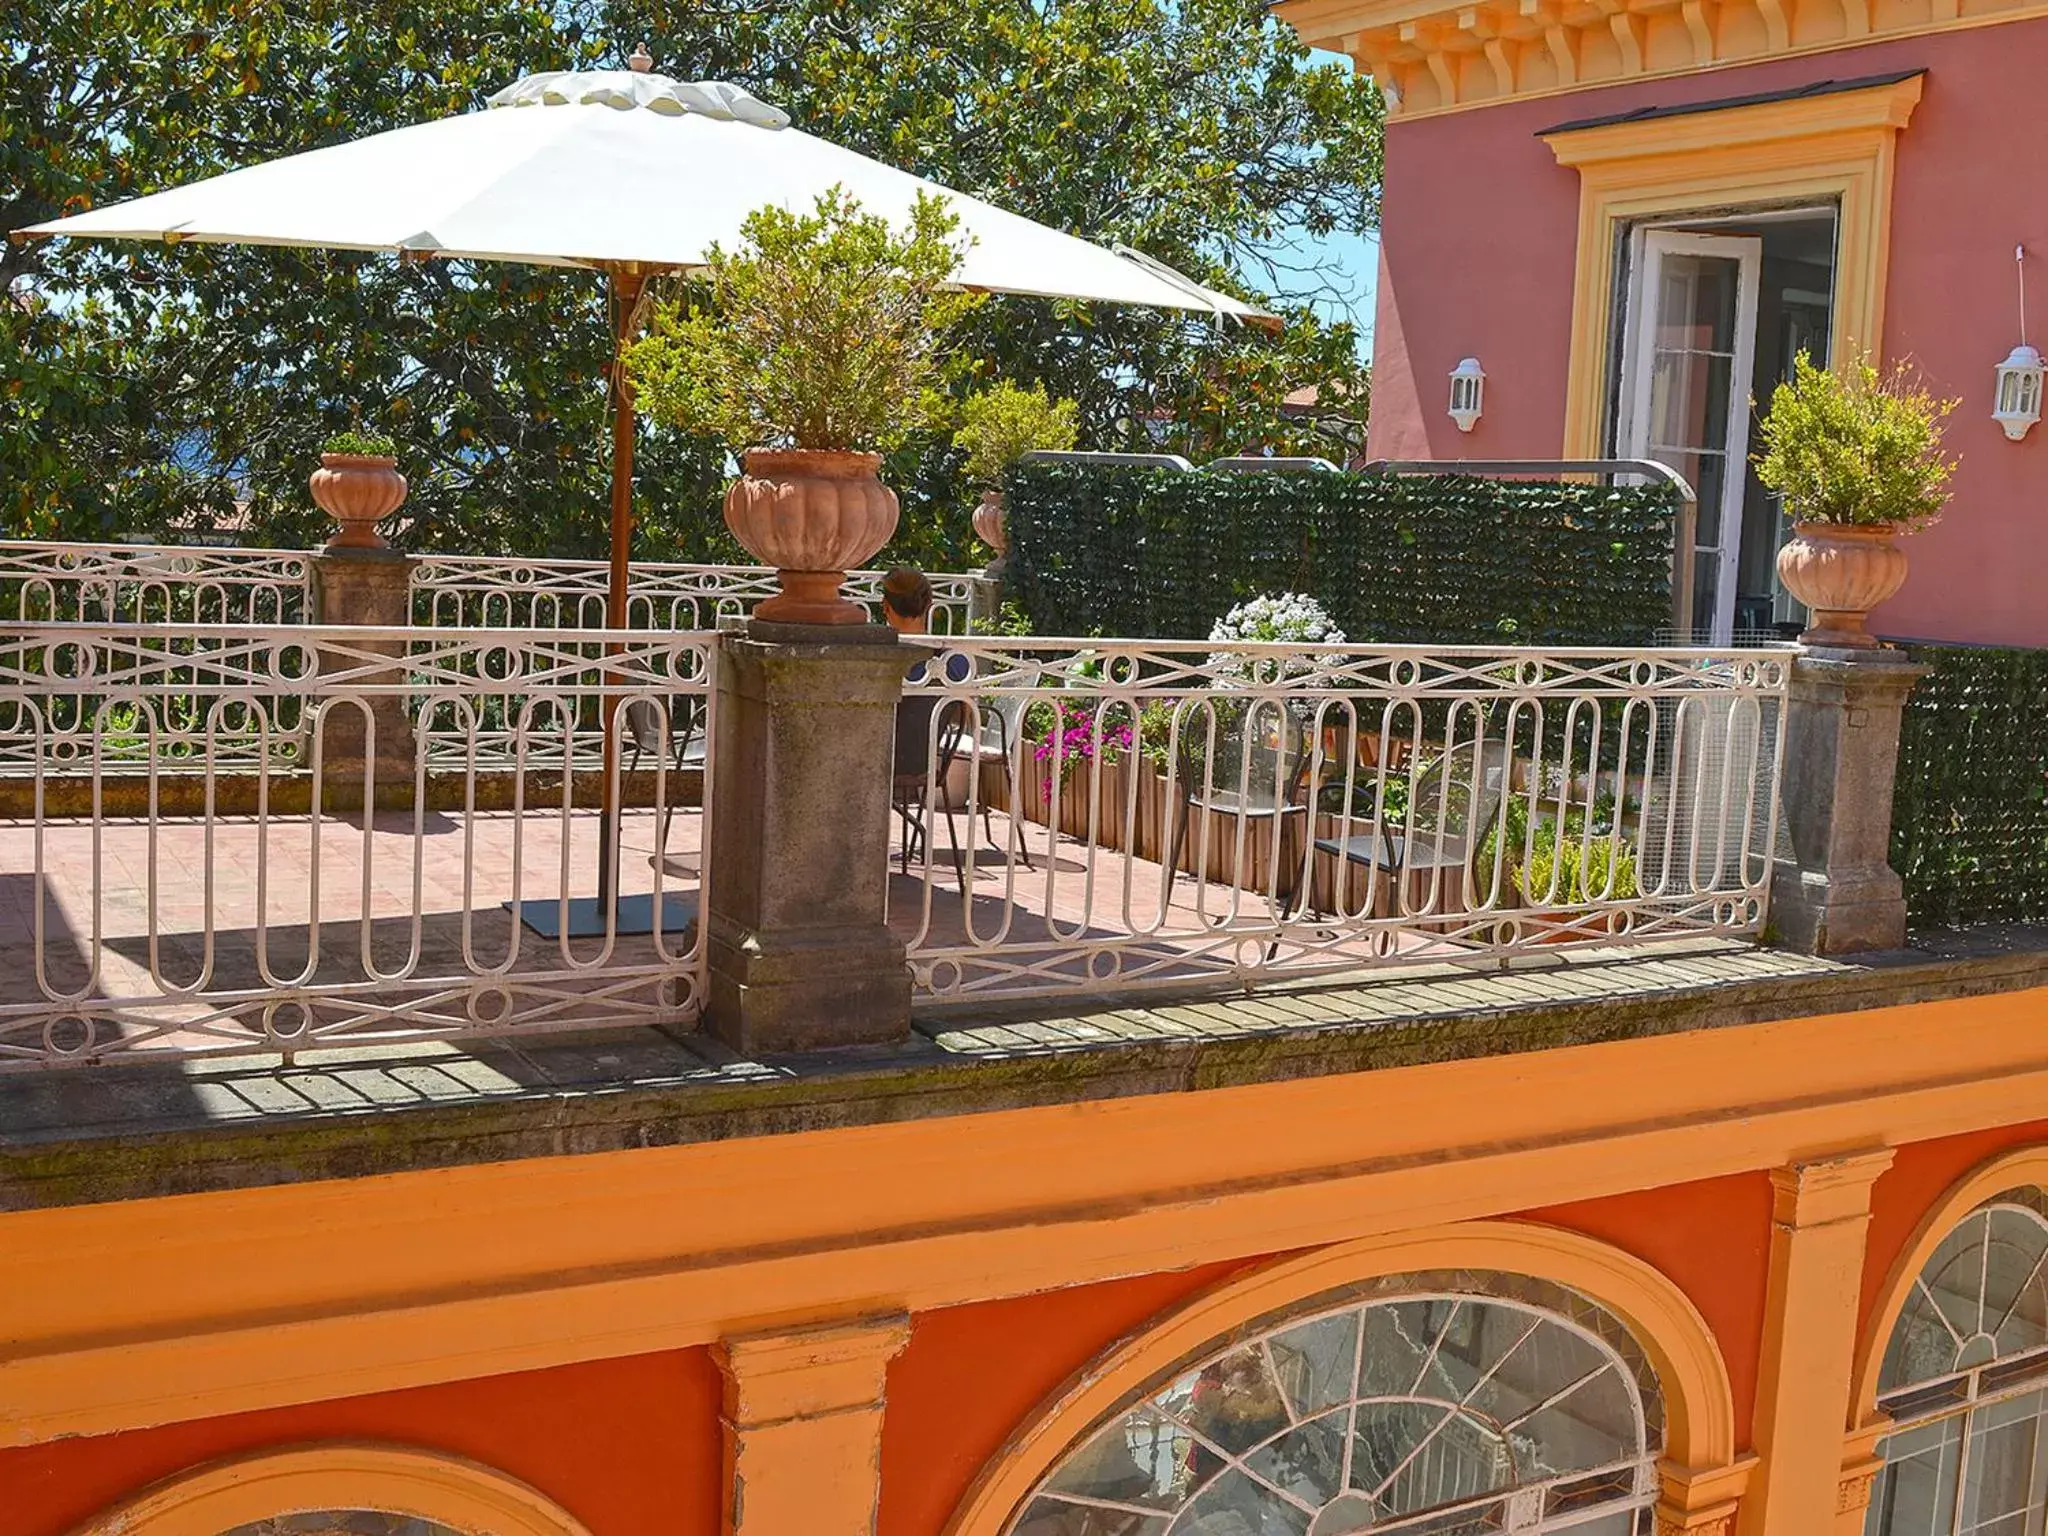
column 1857, row 456
column 818, row 343
column 358, row 485
column 357, row 444
column 997, row 428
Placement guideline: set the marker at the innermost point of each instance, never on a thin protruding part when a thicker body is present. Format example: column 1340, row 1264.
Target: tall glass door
column 1688, row 348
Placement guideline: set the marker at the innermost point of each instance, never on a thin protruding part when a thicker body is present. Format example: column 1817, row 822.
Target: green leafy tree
column 152, row 391
column 145, row 389
column 1240, row 396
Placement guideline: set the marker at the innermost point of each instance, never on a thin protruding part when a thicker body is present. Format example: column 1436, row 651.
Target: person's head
column 906, row 600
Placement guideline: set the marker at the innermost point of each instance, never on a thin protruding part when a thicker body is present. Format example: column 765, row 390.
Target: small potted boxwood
column 1857, row 457
column 358, row 485
column 997, row 428
column 819, row 343
column 1560, row 870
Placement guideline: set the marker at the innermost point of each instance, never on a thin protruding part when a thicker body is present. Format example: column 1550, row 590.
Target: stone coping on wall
column 136, row 1131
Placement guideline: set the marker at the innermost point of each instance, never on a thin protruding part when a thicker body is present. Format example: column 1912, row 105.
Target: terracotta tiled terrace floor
column 232, row 904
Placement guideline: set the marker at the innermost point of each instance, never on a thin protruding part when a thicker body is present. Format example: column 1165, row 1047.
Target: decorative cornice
column 218, row 1305
column 1744, row 125
column 1431, row 57
column 1719, row 1522
column 1702, row 1501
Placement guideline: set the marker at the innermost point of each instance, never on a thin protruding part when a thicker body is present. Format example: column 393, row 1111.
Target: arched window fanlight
column 1422, row 1406
column 1965, row 1375
column 342, row 1522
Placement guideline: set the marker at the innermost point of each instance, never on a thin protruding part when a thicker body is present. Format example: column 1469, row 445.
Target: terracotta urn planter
column 1841, row 572
column 812, row 514
column 991, row 523
column 358, row 491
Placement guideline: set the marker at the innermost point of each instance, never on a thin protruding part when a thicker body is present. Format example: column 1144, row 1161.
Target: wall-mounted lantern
column 1468, row 392
column 2019, row 391
column 2020, row 375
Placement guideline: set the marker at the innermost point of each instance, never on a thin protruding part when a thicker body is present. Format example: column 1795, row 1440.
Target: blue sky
column 1354, row 264
column 1351, row 263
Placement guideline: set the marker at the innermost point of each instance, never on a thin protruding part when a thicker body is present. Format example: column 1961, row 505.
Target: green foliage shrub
column 1581, row 868
column 1003, row 423
column 1849, row 445
column 1580, row 863
column 367, row 445
column 824, row 330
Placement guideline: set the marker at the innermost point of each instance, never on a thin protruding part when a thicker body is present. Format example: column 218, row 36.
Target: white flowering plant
column 1289, row 618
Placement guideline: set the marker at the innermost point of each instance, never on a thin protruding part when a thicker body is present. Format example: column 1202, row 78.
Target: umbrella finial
column 642, row 61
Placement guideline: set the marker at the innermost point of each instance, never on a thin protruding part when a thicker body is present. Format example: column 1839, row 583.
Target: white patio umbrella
column 625, row 171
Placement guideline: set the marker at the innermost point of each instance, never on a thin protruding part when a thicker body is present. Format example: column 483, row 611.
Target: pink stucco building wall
column 1479, row 246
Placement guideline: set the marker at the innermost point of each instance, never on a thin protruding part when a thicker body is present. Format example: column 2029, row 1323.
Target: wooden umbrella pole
column 627, row 284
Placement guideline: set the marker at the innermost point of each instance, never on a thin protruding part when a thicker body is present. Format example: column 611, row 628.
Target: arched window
column 339, row 1488
column 1426, row 1405
column 1965, row 1376
column 342, row 1522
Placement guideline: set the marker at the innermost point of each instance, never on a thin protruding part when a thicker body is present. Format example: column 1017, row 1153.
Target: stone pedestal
column 373, row 588
column 801, row 957
column 1837, row 893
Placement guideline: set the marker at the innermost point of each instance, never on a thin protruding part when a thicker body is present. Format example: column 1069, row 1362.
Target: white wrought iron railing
column 223, row 839
column 1105, row 814
column 150, row 584
column 156, row 584
column 479, row 591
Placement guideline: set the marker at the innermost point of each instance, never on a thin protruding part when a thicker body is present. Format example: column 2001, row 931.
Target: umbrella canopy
column 608, row 168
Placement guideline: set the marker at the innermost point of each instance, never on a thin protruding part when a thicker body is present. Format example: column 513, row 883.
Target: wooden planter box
column 1070, row 814
column 1146, row 830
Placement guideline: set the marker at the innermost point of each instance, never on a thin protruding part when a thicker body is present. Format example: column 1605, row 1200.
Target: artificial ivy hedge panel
column 1970, row 817
column 1423, row 559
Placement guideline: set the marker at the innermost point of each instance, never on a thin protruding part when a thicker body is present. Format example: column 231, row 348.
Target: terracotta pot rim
column 1859, row 532
column 358, row 461
column 832, row 463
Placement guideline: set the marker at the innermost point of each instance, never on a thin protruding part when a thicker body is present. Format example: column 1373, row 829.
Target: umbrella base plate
column 587, row 917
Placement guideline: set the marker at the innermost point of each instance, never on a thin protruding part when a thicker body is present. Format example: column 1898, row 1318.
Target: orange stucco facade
column 628, row 1445
column 957, row 1329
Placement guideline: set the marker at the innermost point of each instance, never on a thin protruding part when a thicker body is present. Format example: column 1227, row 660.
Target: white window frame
column 1648, row 248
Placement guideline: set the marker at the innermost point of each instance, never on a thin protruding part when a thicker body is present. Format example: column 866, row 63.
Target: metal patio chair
column 1455, row 799
column 1239, row 782
column 684, row 746
column 931, row 730
column 1000, row 728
